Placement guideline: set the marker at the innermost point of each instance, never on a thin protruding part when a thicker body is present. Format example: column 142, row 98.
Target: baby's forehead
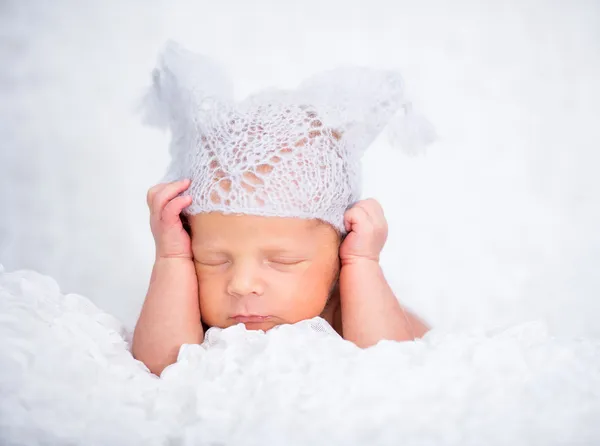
column 217, row 229
column 218, row 223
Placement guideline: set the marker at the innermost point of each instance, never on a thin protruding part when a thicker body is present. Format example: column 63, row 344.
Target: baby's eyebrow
column 293, row 251
column 208, row 246
column 281, row 251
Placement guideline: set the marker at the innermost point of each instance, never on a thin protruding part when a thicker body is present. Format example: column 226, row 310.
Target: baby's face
column 262, row 271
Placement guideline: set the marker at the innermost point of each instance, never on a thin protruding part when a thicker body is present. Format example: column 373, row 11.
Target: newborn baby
column 258, row 221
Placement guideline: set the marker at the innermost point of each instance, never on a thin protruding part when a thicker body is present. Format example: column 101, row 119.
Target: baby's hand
column 367, row 232
column 170, row 237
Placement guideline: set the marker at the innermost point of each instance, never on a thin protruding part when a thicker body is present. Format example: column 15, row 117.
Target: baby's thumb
column 174, row 208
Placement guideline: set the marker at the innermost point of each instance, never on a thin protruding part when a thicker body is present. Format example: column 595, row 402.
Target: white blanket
column 67, row 377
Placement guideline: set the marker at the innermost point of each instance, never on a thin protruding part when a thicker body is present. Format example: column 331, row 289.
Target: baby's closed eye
column 224, row 260
column 286, row 260
column 285, row 257
column 212, row 260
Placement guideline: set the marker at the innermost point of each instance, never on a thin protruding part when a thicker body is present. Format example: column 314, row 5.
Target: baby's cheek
column 212, row 300
column 306, row 295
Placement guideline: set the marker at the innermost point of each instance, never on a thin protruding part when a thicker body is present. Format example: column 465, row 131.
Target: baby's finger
column 153, row 191
column 170, row 191
column 363, row 209
column 170, row 215
column 375, row 211
column 355, row 218
column 373, row 205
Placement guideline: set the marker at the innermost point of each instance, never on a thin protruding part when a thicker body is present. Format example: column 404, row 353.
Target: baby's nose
column 245, row 280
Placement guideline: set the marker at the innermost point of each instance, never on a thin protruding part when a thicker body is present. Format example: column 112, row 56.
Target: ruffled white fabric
column 286, row 153
column 67, row 377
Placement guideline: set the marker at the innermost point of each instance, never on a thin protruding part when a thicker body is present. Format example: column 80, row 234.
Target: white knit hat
column 286, row 153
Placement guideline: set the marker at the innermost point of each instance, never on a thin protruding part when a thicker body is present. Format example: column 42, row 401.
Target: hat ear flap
column 410, row 131
column 361, row 102
column 185, row 85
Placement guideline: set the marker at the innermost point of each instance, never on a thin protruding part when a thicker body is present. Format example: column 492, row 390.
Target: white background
column 496, row 223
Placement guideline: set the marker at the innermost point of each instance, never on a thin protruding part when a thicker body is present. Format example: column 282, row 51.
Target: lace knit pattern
column 285, row 153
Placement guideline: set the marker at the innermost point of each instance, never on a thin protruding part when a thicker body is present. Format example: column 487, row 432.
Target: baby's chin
column 264, row 326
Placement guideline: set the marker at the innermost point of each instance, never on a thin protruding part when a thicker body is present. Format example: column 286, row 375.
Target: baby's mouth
column 250, row 318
